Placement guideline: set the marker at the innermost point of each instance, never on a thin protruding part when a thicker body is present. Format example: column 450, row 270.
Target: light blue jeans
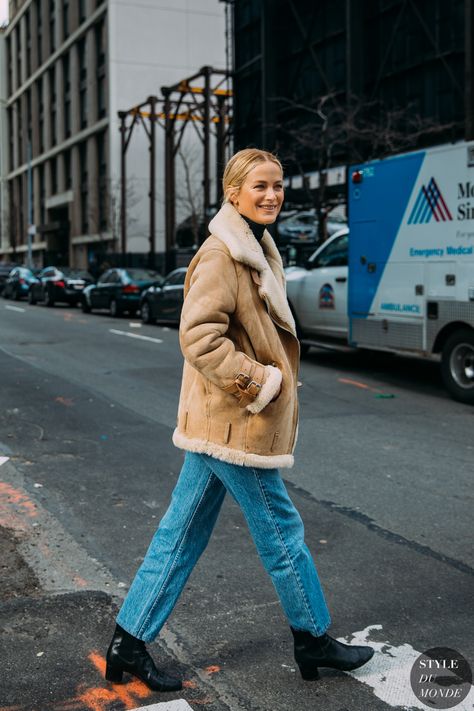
column 185, row 529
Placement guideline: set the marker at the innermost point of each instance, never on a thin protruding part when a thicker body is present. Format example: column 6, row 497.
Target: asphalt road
column 382, row 480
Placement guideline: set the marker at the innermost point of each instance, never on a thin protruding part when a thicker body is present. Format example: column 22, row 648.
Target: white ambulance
column 401, row 279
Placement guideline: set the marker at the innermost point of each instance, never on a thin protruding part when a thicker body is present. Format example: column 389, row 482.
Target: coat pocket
column 227, row 432
column 276, row 437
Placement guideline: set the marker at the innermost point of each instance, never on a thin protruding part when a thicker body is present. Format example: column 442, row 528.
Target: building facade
column 413, row 56
column 70, row 66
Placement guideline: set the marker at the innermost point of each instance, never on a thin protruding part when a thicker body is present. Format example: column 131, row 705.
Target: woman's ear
column 232, row 195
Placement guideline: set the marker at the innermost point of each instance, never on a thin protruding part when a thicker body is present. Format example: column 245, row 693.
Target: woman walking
column 238, row 423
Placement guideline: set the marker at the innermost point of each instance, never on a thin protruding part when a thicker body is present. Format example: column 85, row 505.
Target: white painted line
column 135, row 335
column 135, row 324
column 388, row 672
column 178, row 705
column 3, row 460
column 15, row 308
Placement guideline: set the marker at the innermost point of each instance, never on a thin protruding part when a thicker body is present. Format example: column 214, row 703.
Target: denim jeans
column 185, row 529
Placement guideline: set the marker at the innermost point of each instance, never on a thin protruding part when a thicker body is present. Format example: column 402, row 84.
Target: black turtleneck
column 256, row 227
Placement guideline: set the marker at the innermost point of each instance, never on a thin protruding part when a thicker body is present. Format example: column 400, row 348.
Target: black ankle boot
column 128, row 654
column 312, row 652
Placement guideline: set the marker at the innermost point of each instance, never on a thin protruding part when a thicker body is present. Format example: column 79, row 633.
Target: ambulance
column 401, row 278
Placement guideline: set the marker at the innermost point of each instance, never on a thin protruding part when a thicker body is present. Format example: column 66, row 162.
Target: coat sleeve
column 210, row 300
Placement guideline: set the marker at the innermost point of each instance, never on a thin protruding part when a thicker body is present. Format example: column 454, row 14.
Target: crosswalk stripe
column 179, row 705
column 388, row 672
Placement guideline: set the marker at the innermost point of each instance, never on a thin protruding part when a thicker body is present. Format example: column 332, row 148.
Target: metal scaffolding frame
column 202, row 101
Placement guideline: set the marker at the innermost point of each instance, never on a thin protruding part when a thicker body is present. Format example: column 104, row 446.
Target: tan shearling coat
column 238, row 338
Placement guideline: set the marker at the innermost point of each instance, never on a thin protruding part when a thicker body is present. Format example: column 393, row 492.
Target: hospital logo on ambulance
column 429, row 203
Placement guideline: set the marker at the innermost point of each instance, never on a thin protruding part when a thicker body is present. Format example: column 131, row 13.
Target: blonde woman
column 238, row 423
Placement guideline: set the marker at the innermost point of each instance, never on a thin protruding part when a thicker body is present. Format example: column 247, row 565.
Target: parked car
column 59, row 284
column 18, row 283
column 303, row 227
column 163, row 302
column 119, row 290
column 317, row 293
column 5, row 269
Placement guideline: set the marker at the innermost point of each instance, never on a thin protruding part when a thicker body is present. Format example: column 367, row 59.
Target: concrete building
column 70, row 66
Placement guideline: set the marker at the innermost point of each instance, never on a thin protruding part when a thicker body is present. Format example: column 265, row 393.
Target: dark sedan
column 164, row 302
column 59, row 284
column 119, row 290
column 18, row 283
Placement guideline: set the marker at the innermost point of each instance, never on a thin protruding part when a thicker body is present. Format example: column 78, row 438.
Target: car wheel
column 86, row 309
column 31, row 298
column 48, row 299
column 146, row 313
column 17, row 295
column 115, row 310
column 457, row 365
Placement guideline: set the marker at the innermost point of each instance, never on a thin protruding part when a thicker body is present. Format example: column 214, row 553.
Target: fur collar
column 264, row 257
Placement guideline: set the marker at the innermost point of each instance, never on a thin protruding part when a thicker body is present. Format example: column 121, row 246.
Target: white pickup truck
column 401, row 278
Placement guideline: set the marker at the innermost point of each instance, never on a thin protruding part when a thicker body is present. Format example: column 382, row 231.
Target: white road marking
column 15, row 308
column 135, row 324
column 135, row 335
column 388, row 672
column 178, row 705
column 3, row 460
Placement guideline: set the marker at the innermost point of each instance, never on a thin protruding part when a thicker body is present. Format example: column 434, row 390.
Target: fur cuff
column 268, row 390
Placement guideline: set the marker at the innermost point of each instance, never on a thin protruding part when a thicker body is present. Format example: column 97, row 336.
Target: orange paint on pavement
column 80, row 582
column 67, row 401
column 357, row 384
column 10, row 497
column 188, row 685
column 126, row 693
column 212, row 669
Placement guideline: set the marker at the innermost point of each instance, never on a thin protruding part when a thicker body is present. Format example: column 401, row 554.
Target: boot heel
column 113, row 674
column 309, row 673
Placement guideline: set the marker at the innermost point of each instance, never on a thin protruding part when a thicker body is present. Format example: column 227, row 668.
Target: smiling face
column 261, row 196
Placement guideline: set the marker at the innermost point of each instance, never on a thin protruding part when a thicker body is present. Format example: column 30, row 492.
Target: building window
column 84, row 187
column 39, row 32
column 29, row 117
column 67, row 170
column 82, row 10
column 100, row 54
column 9, row 66
column 17, row 107
column 67, row 96
column 11, row 119
column 39, row 89
column 52, row 94
column 102, row 172
column 53, row 165
column 52, row 26
column 18, row 56
column 28, row 41
column 42, row 193
column 82, row 83
column 65, row 19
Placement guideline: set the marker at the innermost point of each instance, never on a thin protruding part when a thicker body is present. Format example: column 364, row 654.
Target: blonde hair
column 240, row 165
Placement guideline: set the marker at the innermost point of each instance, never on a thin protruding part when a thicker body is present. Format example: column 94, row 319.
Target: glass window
column 336, row 254
column 176, row 279
column 142, row 274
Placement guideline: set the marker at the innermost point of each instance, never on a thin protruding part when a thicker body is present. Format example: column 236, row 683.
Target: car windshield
column 143, row 275
column 76, row 273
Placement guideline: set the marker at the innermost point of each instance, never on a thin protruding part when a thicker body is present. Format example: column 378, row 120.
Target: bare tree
column 189, row 191
column 326, row 133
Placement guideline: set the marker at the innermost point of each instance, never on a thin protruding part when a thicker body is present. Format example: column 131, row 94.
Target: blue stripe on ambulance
column 376, row 209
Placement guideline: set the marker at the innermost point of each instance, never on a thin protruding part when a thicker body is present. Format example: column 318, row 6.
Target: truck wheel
column 457, row 365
